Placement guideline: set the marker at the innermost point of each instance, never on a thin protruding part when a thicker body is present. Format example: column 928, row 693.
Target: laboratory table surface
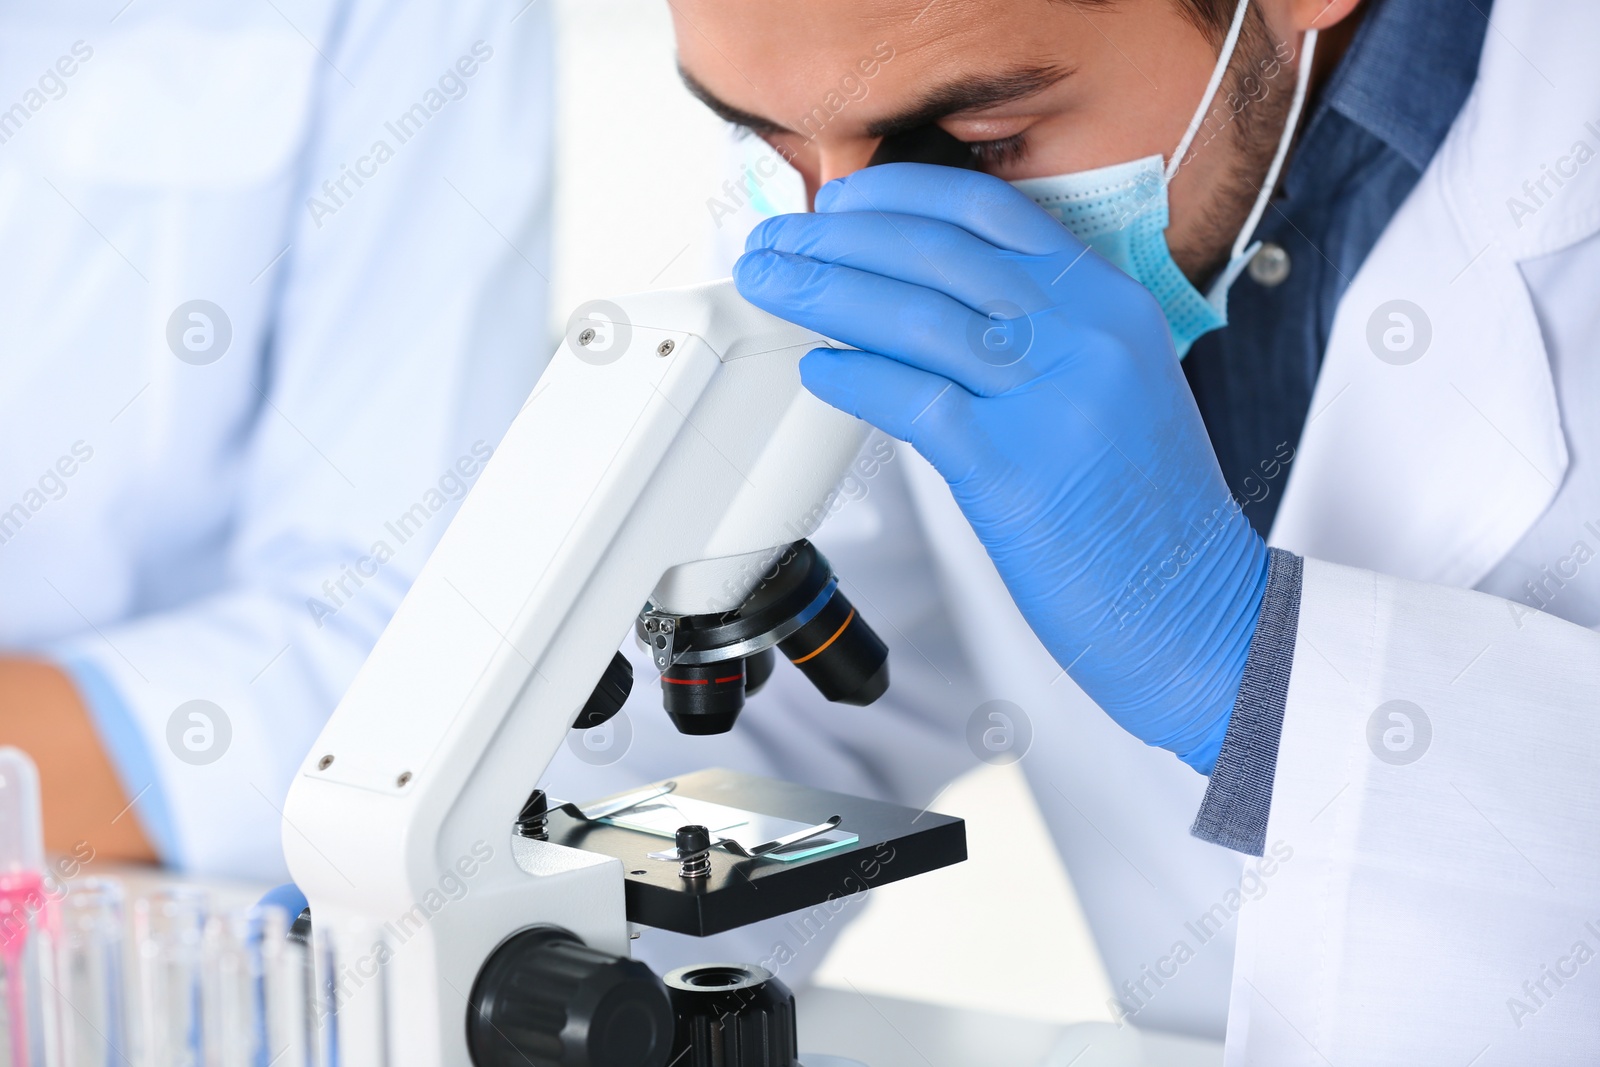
column 885, row 1032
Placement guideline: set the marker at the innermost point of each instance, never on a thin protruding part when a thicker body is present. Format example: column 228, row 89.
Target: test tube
column 354, row 977
column 88, row 991
column 169, row 938
column 22, row 906
column 288, row 1018
column 231, row 997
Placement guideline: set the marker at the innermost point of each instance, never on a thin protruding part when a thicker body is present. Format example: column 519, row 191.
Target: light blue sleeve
column 409, row 326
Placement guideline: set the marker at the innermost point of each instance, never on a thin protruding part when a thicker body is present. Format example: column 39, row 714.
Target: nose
column 838, row 161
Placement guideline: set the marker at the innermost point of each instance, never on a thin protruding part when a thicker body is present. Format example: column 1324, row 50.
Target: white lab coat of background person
column 204, row 509
column 1422, row 868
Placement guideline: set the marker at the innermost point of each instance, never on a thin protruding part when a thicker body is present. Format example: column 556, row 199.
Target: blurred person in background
column 272, row 279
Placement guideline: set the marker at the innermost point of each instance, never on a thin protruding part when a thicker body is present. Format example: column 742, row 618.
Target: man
column 272, row 293
column 1412, row 760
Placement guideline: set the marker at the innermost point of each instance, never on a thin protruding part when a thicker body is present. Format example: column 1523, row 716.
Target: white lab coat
column 166, row 524
column 1401, row 907
column 1422, row 896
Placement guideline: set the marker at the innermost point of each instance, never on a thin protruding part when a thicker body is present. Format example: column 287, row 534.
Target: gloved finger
column 981, row 204
column 935, row 255
column 909, row 323
column 928, row 412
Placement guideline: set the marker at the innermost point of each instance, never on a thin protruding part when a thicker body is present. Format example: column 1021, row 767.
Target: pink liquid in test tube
column 21, row 885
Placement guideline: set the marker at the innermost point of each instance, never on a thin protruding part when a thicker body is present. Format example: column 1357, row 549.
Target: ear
column 1320, row 14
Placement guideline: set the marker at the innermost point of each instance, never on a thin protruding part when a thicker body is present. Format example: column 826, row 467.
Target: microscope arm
column 664, row 460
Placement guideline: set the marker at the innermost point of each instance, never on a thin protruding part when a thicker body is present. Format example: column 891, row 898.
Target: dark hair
column 1210, row 16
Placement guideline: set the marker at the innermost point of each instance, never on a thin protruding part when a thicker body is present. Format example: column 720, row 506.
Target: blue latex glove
column 1041, row 382
column 286, row 896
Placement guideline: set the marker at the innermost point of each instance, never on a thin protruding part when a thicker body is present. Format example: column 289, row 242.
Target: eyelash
column 992, row 154
column 999, row 153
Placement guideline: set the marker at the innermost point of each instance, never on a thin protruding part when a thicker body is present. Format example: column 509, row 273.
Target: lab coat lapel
column 1434, row 440
column 1399, row 471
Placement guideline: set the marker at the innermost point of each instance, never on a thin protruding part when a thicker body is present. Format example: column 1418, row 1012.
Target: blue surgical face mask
column 1121, row 211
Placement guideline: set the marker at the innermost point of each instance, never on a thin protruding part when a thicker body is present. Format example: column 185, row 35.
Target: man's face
column 1041, row 87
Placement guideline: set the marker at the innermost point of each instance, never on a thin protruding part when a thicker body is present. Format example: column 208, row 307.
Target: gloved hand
column 1041, row 382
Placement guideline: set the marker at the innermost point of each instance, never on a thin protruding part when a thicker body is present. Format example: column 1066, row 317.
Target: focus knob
column 610, row 693
column 546, row 999
column 732, row 1015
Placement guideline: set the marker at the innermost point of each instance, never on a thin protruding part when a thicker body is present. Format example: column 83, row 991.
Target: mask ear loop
column 1225, row 57
column 1301, row 82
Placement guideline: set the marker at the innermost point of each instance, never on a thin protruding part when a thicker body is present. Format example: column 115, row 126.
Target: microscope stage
column 892, row 842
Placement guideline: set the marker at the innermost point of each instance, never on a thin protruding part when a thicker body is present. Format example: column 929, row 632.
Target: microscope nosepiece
column 710, row 663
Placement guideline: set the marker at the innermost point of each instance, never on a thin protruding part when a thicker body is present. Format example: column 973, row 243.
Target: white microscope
column 654, row 481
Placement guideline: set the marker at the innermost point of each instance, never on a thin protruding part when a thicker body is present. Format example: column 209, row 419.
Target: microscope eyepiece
column 710, row 663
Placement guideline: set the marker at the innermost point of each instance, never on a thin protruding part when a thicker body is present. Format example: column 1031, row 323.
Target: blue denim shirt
column 1377, row 123
column 1373, row 131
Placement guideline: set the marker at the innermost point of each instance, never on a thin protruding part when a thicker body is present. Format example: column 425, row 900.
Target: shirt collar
column 1408, row 71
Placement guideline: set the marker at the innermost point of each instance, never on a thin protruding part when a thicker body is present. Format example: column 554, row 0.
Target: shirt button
column 1270, row 265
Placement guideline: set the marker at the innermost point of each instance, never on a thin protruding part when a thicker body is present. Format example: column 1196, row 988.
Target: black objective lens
column 704, row 699
column 800, row 607
column 845, row 660
column 757, row 669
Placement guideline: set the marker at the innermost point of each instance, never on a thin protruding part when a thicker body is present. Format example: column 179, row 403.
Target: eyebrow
column 969, row 94
column 727, row 112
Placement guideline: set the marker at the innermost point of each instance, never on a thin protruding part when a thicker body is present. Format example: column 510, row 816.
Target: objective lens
column 798, row 606
column 837, row 650
column 706, row 698
column 757, row 669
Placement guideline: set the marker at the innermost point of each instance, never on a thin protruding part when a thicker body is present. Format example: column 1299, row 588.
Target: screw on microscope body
column 587, row 336
column 324, row 763
column 533, row 820
column 694, row 852
column 665, row 348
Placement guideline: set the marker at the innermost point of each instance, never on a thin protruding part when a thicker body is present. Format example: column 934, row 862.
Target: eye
column 993, row 155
